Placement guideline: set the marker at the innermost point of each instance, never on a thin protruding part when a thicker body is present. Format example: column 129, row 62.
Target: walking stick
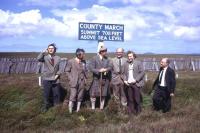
column 100, row 87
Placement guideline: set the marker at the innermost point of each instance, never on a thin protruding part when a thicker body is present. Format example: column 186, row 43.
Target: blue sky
column 158, row 26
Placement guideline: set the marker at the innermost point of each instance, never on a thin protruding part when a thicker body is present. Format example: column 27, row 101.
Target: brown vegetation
column 21, row 102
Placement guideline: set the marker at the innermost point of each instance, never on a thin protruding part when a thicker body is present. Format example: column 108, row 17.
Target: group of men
column 124, row 75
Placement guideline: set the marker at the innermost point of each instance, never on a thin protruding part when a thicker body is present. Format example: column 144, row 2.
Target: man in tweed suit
column 100, row 67
column 117, row 82
column 50, row 76
column 134, row 80
column 77, row 75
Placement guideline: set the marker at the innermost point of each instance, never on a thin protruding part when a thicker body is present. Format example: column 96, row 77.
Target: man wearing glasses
column 50, row 76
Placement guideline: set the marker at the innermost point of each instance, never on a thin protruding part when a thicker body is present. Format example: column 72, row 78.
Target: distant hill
column 149, row 53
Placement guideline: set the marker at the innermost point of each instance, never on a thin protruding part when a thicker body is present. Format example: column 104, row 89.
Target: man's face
column 51, row 50
column 103, row 53
column 163, row 63
column 81, row 56
column 119, row 53
column 130, row 57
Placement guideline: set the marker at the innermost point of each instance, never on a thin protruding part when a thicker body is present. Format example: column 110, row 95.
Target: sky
column 150, row 26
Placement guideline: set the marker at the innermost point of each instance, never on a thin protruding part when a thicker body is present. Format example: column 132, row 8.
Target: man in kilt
column 100, row 67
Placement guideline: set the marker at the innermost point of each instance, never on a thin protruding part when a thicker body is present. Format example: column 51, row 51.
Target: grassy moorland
column 21, row 102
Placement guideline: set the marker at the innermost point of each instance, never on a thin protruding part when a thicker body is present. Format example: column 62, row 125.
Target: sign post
column 101, row 32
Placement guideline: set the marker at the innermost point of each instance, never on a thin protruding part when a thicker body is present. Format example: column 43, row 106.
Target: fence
column 31, row 65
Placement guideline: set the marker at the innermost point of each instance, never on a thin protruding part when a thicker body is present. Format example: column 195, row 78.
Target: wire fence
column 31, row 65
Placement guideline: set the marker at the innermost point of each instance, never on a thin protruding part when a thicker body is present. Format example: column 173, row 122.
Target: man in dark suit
column 134, row 80
column 100, row 67
column 117, row 83
column 50, row 75
column 164, row 86
column 77, row 75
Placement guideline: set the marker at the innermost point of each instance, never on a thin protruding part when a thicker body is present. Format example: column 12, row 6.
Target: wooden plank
column 31, row 65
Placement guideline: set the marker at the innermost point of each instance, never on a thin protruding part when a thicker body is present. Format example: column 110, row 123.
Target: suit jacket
column 50, row 70
column 169, row 78
column 138, row 72
column 76, row 72
column 117, row 77
column 96, row 64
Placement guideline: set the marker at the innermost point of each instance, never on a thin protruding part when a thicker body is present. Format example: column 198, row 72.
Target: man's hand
column 103, row 70
column 56, row 77
column 132, row 82
column 171, row 94
column 45, row 51
column 126, row 82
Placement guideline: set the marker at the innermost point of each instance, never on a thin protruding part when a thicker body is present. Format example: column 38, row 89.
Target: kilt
column 95, row 88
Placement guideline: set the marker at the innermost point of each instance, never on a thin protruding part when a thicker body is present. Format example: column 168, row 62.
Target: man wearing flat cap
column 100, row 67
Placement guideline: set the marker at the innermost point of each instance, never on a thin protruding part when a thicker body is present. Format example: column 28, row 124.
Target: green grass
column 21, row 102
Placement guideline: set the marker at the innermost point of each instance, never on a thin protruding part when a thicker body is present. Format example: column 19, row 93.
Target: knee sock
column 102, row 102
column 70, row 106
column 93, row 100
column 78, row 106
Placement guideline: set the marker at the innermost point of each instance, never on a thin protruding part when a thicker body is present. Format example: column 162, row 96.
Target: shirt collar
column 101, row 57
column 165, row 68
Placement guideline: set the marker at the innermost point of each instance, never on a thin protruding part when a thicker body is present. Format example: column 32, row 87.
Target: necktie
column 120, row 66
column 52, row 61
column 160, row 76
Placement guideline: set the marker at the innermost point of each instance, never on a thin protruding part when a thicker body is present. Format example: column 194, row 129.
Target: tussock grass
column 21, row 102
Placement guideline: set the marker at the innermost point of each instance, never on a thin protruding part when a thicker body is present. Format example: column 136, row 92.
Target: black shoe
column 165, row 110
column 44, row 109
column 155, row 108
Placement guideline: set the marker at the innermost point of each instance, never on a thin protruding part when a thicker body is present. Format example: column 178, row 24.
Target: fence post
column 193, row 67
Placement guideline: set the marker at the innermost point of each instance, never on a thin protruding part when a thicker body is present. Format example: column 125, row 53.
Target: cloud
column 172, row 18
column 54, row 27
column 101, row 14
column 27, row 17
column 29, row 23
column 51, row 3
column 189, row 33
column 4, row 17
column 102, row 2
column 23, row 23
